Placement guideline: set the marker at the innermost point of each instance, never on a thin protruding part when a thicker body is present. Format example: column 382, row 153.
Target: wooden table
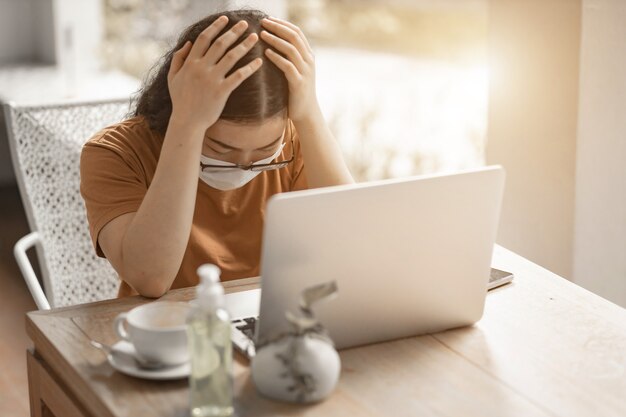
column 545, row 347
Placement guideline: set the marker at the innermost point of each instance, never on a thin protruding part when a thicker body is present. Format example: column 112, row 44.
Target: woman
column 237, row 91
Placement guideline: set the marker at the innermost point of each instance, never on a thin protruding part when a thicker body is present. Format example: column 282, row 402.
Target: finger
column 178, row 59
column 294, row 28
column 286, row 48
column 291, row 36
column 285, row 65
column 234, row 55
column 236, row 78
column 204, row 39
column 221, row 44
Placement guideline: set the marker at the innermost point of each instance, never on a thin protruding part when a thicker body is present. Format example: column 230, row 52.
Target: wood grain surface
column 544, row 347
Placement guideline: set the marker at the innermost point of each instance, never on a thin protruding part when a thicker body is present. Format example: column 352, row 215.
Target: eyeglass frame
column 250, row 167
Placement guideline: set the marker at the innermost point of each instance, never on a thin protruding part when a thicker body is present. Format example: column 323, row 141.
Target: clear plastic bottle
column 208, row 330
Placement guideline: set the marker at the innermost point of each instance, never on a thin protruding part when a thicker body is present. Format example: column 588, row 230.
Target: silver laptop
column 410, row 256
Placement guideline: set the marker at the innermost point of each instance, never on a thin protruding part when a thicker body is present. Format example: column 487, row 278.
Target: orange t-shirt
column 117, row 166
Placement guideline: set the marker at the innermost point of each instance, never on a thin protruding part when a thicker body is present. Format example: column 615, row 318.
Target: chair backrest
column 46, row 143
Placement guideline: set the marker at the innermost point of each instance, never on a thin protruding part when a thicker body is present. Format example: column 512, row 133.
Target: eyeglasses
column 256, row 167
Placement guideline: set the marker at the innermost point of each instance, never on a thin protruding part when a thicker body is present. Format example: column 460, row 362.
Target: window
column 403, row 83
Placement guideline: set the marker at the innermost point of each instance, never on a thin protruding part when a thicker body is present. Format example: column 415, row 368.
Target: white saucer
column 127, row 365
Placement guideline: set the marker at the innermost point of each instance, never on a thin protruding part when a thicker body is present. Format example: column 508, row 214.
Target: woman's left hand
column 298, row 64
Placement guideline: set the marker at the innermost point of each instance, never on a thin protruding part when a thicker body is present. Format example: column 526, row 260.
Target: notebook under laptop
column 410, row 256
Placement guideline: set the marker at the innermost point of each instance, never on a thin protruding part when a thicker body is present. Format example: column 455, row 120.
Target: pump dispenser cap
column 210, row 291
column 209, row 274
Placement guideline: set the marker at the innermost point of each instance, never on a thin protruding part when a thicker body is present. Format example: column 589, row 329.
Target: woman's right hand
column 197, row 79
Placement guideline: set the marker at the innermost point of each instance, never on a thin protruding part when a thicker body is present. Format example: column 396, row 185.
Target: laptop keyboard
column 247, row 326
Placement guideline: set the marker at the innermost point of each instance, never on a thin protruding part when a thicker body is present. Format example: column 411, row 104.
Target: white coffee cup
column 157, row 331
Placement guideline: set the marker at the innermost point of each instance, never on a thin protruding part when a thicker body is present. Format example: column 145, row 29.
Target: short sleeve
column 111, row 184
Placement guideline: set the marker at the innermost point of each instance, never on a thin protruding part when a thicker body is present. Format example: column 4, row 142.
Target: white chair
column 45, row 143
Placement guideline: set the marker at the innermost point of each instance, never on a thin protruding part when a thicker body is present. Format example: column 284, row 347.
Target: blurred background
column 407, row 86
column 430, row 116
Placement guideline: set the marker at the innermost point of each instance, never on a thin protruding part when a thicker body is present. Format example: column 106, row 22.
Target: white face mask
column 229, row 179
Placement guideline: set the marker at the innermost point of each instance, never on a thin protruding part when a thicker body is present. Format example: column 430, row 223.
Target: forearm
column 155, row 241
column 324, row 163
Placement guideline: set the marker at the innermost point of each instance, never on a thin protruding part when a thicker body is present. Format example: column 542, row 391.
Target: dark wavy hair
column 263, row 95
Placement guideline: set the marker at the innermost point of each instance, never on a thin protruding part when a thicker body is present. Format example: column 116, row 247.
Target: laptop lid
column 410, row 256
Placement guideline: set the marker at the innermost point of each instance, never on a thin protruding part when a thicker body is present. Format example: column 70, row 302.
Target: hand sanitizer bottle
column 208, row 330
